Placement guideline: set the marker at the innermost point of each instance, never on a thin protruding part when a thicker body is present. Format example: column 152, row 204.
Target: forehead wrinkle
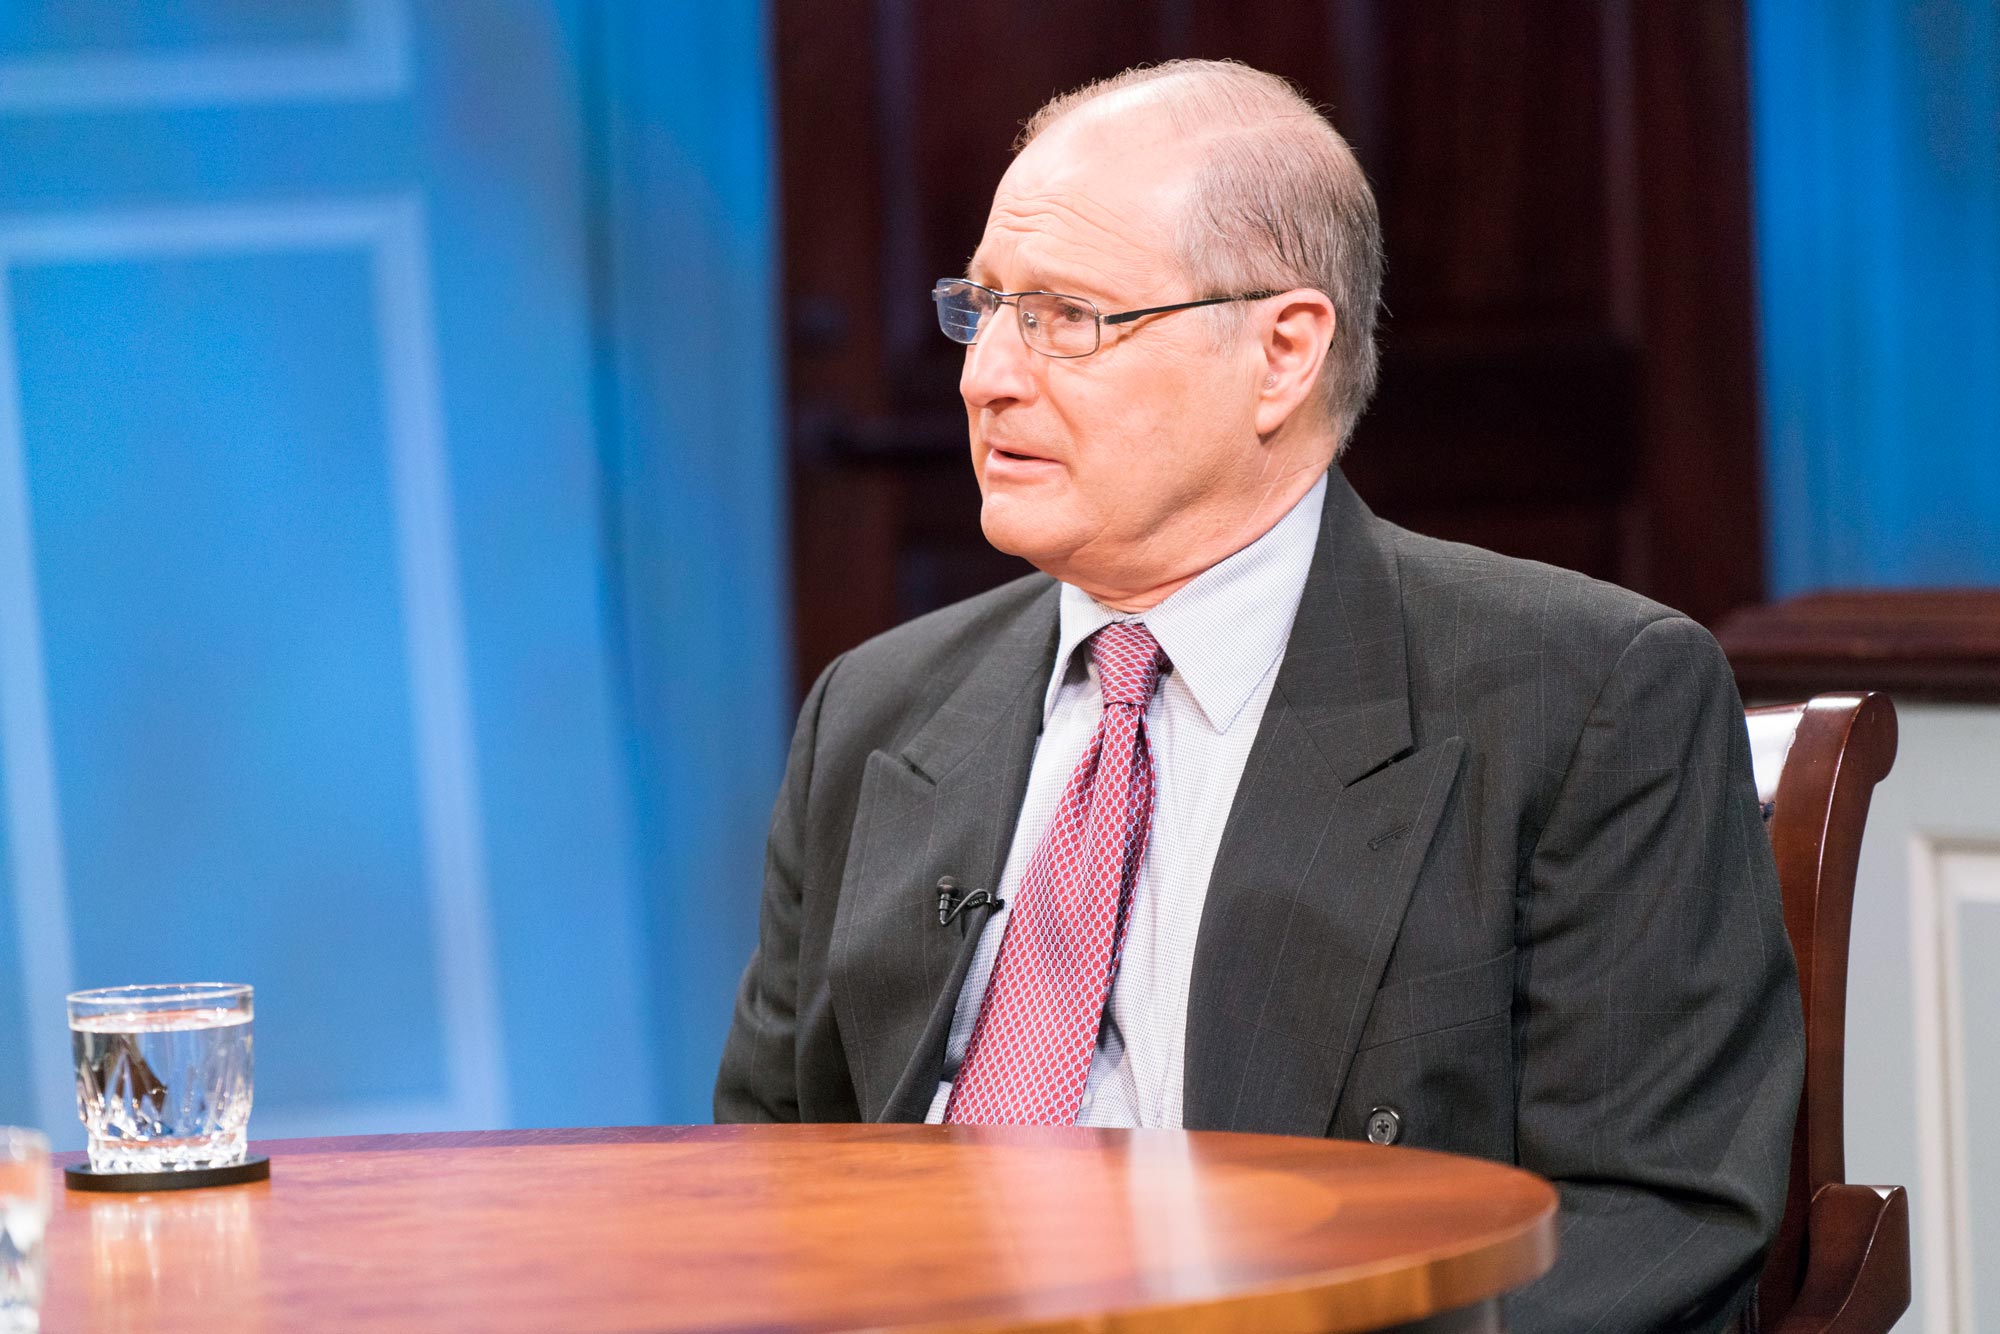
column 1062, row 234
column 1080, row 204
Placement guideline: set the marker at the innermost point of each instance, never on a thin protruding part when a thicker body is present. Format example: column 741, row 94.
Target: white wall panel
column 1923, row 1089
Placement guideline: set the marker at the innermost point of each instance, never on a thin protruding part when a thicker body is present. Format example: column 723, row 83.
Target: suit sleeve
column 1661, row 1043
column 758, row 1080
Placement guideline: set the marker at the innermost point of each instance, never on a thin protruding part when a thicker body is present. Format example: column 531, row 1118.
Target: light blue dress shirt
column 1224, row 634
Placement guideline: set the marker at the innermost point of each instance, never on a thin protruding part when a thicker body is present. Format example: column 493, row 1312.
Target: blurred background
column 438, row 443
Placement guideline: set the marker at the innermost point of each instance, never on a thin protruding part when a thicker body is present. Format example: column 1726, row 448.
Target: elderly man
column 1253, row 811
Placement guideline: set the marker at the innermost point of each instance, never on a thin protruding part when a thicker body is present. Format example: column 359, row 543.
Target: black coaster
column 132, row 1183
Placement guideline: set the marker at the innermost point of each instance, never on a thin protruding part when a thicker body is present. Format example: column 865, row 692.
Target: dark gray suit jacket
column 1495, row 861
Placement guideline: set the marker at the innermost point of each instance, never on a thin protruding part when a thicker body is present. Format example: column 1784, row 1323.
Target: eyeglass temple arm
column 1126, row 316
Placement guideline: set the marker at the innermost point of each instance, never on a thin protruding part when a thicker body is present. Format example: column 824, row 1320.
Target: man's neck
column 1143, row 593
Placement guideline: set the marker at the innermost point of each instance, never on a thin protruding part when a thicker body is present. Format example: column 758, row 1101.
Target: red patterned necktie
column 1030, row 1052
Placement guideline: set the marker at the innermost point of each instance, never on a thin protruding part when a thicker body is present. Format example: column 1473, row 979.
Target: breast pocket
column 1454, row 998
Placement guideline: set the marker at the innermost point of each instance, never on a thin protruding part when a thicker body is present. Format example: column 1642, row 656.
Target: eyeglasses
column 1053, row 324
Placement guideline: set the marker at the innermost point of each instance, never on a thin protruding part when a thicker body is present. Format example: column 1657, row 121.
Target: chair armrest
column 1858, row 1262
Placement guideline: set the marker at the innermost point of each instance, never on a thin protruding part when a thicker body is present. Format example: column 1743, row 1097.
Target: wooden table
column 810, row 1228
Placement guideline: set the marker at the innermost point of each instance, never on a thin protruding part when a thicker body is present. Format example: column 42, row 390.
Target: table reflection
column 159, row 1252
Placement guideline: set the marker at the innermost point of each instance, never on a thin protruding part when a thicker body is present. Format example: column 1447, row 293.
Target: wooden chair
column 1841, row 1261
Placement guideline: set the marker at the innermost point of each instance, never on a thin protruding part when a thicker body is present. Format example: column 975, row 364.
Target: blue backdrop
column 1877, row 149
column 390, row 543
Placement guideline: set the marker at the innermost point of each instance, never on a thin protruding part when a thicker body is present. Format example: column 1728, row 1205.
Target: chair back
column 1841, row 1257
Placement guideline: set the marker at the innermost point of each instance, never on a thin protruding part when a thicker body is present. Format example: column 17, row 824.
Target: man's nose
column 999, row 365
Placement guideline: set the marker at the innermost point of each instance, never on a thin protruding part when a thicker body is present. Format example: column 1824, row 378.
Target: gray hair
column 1279, row 202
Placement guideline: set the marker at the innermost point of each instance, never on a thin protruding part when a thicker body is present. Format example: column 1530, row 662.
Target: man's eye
column 1071, row 313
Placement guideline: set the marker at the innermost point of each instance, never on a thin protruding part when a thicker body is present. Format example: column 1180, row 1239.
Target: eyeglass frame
column 1121, row 317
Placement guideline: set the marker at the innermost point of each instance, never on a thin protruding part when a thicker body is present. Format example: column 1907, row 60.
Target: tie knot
column 1128, row 661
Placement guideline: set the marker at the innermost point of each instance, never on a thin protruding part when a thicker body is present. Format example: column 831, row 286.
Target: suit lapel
column 943, row 804
column 1331, row 821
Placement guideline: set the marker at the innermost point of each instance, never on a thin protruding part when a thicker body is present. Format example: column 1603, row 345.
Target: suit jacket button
column 1385, row 1125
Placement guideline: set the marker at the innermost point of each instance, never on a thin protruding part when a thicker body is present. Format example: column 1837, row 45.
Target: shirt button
column 1385, row 1125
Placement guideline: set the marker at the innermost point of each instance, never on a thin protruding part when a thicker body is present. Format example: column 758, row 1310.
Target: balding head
column 1125, row 436
column 1271, row 197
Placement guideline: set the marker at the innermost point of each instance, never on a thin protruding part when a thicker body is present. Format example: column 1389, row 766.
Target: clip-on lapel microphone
column 953, row 902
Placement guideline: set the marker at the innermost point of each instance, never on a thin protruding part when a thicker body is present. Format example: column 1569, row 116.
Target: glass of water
column 24, row 1217
column 163, row 1075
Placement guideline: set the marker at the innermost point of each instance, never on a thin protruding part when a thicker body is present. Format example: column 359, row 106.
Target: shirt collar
column 1225, row 628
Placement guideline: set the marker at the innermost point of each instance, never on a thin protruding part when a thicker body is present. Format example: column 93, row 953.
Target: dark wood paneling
column 1700, row 545
column 1930, row 644
column 1567, row 343
column 1490, row 165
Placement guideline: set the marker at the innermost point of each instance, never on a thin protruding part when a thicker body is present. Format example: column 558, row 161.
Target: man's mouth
column 1018, row 456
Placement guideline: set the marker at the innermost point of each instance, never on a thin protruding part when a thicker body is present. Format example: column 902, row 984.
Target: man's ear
column 1296, row 336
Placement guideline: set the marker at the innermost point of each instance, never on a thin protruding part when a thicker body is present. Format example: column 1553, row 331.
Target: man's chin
column 1022, row 528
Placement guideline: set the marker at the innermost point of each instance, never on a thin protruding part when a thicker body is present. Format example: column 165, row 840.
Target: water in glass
column 163, row 1083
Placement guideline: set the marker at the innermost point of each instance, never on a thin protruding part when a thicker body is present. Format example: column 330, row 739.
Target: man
column 1252, row 811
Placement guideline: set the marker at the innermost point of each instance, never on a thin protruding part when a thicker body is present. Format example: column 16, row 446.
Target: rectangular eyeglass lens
column 1062, row 326
column 958, row 311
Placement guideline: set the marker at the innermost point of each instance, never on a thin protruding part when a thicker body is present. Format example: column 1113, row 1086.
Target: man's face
column 1104, row 469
